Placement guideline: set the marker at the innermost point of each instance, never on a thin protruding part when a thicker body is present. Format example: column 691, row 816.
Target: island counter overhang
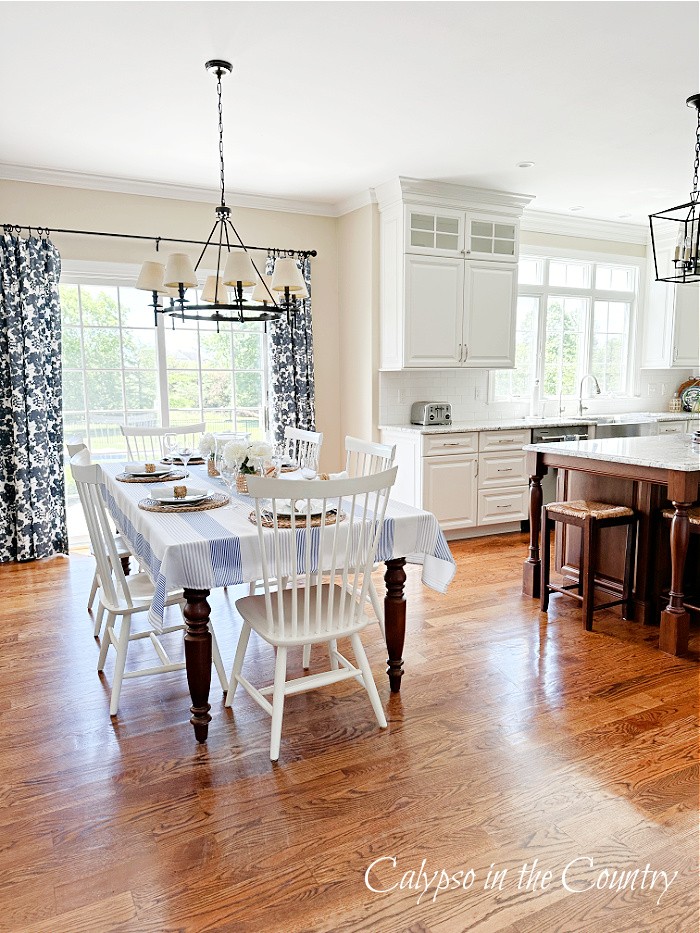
column 658, row 469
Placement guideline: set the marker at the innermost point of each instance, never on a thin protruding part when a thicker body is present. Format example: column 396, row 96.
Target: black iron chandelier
column 675, row 233
column 223, row 297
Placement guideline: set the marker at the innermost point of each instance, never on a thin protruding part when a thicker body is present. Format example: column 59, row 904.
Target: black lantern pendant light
column 222, row 298
column 679, row 228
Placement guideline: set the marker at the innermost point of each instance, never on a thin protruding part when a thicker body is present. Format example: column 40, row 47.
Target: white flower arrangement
column 240, row 454
column 260, row 449
column 207, row 446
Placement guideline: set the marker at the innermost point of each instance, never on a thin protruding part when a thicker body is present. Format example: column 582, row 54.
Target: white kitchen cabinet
column 497, row 506
column 490, row 294
column 673, row 427
column 459, row 314
column 491, row 237
column 470, row 481
column 434, row 231
column 448, row 275
column 434, row 292
column 671, row 328
column 450, row 489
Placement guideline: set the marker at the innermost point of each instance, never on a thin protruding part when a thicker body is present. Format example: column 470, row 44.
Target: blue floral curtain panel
column 292, row 366
column 32, row 502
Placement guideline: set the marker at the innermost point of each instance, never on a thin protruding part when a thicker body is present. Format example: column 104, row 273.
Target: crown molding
column 588, row 227
column 39, row 176
column 355, row 202
column 446, row 194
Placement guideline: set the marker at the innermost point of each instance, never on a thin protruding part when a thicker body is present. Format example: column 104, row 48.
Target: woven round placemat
column 193, row 461
column 285, row 521
column 152, row 478
column 215, row 501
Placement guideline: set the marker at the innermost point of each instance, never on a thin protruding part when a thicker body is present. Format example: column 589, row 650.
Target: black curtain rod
column 46, row 231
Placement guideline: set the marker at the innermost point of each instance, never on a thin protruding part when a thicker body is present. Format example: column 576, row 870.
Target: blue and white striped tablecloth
column 220, row 547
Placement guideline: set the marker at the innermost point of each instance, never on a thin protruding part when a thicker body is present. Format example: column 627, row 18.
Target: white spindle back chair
column 119, row 595
column 147, row 443
column 363, row 458
column 302, row 444
column 328, row 568
column 120, row 543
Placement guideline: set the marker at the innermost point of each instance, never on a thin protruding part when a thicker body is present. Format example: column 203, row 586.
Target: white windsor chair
column 328, row 568
column 120, row 595
column 123, row 551
column 364, row 458
column 301, row 444
column 147, row 443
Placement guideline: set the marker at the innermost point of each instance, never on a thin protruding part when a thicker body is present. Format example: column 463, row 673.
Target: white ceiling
column 329, row 99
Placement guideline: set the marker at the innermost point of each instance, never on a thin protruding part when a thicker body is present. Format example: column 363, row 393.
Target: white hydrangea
column 207, row 445
column 235, row 452
column 260, row 449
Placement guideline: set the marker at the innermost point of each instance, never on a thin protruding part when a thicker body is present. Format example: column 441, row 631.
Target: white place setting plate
column 285, row 508
column 139, row 469
column 167, row 496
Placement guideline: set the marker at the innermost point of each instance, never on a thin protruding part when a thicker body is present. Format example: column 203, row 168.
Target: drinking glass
column 170, row 444
column 185, row 453
column 308, row 462
column 229, row 475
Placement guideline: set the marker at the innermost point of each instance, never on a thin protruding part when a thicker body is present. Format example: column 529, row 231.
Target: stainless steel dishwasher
column 566, row 432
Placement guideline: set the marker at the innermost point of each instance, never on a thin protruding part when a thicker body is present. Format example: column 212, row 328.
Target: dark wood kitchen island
column 645, row 473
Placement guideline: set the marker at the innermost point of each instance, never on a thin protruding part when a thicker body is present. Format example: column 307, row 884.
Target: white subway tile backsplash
column 458, row 387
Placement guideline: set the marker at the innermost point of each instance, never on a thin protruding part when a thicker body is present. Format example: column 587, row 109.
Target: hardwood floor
column 517, row 737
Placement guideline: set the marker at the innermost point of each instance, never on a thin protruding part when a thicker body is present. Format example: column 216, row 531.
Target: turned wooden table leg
column 531, row 567
column 198, row 659
column 395, row 620
column 673, row 637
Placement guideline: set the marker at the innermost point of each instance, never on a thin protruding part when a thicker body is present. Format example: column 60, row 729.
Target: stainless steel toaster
column 431, row 413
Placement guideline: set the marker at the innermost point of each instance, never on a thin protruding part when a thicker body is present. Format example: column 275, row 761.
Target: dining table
column 199, row 551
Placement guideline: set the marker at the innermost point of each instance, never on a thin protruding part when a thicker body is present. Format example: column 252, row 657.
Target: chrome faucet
column 581, row 406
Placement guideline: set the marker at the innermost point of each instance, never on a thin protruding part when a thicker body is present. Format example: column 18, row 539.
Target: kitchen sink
column 622, row 427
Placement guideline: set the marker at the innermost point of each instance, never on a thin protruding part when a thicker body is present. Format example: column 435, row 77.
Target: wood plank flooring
column 517, row 738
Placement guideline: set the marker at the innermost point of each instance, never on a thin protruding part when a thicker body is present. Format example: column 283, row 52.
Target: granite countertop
column 668, row 451
column 458, row 427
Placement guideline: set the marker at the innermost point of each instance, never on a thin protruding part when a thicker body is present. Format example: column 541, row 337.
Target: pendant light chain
column 694, row 194
column 221, row 137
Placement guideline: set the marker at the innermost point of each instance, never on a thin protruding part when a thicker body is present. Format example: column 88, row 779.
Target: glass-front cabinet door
column 491, row 238
column 434, row 232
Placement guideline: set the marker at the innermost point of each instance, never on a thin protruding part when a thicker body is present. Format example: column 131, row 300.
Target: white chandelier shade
column 151, row 278
column 239, row 270
column 214, row 290
column 287, row 276
column 179, row 272
column 260, row 293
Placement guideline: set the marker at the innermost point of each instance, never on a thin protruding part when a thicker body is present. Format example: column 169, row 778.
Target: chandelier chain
column 221, row 137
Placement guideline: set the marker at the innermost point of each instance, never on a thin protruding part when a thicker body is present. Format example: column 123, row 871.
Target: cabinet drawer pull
column 451, row 443
column 505, row 470
column 504, row 506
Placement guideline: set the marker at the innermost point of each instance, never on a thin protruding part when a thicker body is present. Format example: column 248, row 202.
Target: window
column 573, row 317
column 120, row 369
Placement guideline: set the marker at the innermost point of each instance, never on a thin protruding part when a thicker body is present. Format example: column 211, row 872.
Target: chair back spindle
column 144, row 444
column 315, row 556
column 362, row 458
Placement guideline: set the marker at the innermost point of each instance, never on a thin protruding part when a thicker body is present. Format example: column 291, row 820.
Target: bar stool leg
column 628, row 583
column 545, row 553
column 588, row 570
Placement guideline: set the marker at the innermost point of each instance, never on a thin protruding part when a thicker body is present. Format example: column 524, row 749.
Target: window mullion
column 162, row 370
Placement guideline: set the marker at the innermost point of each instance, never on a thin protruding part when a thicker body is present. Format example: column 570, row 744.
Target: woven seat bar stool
column 590, row 517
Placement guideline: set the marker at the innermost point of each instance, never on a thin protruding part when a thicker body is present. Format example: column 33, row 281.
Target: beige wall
column 44, row 205
column 555, row 241
column 358, row 277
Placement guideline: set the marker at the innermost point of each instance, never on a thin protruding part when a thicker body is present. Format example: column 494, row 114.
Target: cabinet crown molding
column 446, row 194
